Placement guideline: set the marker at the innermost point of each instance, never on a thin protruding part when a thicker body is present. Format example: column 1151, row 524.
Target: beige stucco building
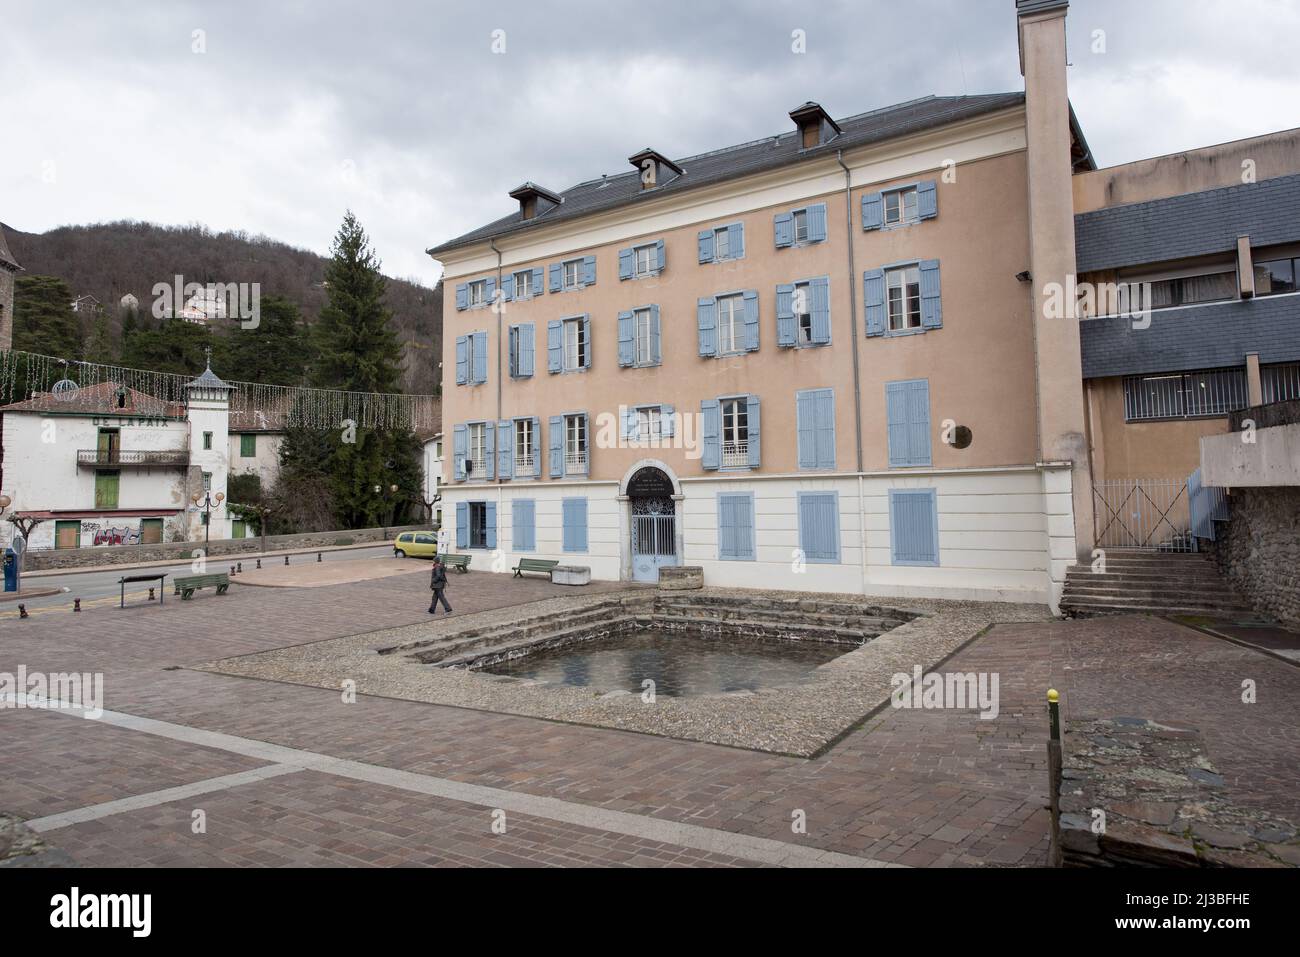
column 811, row 361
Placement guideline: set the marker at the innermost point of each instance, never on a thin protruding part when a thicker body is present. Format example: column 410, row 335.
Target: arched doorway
column 654, row 523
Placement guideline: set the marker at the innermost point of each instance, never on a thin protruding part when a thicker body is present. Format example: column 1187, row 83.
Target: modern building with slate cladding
column 814, row 361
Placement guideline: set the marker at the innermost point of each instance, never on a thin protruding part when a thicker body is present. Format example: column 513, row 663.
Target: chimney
column 814, row 124
column 655, row 168
column 1062, row 433
column 534, row 200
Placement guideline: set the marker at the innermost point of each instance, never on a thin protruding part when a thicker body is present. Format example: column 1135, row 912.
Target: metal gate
column 654, row 545
column 1143, row 513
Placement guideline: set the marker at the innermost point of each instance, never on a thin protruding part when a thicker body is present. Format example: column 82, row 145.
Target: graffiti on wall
column 110, row 534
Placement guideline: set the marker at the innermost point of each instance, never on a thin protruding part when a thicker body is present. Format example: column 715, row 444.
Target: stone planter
column 681, row 578
column 571, row 575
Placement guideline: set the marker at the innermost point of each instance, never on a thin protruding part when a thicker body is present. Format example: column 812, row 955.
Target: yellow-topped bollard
column 1052, row 695
column 1054, row 712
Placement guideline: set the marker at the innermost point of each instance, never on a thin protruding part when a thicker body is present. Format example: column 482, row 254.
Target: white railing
column 525, row 464
column 575, row 463
column 1143, row 513
column 735, row 454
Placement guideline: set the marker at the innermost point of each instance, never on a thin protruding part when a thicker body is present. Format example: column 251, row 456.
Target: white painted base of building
column 1004, row 534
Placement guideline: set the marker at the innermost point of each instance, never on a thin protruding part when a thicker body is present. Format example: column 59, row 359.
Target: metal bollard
column 286, row 559
column 259, row 563
column 1054, row 713
column 151, row 594
column 76, row 604
column 232, row 569
column 318, row 558
column 22, row 611
column 241, row 568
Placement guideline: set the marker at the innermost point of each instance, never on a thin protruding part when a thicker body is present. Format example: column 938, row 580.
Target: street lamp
column 392, row 491
column 207, row 503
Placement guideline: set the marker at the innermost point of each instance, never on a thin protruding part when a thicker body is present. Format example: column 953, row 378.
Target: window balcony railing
column 525, row 465
column 735, row 454
column 118, row 458
column 475, row 469
column 575, row 463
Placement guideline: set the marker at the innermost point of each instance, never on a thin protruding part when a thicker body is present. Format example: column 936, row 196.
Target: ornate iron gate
column 654, row 538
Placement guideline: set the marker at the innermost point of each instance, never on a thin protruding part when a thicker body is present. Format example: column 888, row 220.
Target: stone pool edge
column 798, row 721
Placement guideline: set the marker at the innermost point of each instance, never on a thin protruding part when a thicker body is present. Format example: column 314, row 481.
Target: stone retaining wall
column 1258, row 550
column 183, row 551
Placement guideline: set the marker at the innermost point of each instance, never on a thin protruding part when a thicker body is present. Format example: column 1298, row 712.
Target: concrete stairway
column 1156, row 583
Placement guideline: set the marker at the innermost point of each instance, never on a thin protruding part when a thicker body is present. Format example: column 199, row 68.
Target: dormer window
column 814, row 124
column 534, row 200
column 655, row 168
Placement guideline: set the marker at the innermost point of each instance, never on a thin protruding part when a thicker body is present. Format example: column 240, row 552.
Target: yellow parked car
column 415, row 545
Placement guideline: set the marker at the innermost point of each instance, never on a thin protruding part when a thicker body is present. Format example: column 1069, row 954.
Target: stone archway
column 652, row 533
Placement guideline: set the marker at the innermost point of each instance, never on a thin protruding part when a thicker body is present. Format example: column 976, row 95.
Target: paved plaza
column 285, row 774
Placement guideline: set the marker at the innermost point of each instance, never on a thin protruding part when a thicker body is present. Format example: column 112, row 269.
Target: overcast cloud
column 402, row 112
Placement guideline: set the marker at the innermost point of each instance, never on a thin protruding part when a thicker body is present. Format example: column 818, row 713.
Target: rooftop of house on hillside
column 621, row 189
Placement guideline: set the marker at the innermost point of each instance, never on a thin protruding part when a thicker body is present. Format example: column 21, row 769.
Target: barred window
column 1281, row 383
column 1181, row 395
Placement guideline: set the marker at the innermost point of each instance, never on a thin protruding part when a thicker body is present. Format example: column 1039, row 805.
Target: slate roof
column 99, row 399
column 757, row 156
column 208, row 380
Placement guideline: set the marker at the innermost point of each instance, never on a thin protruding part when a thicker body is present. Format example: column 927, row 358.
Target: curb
column 234, row 557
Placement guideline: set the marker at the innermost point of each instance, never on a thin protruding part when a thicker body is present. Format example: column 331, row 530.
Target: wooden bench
column 187, row 584
column 543, row 565
column 458, row 562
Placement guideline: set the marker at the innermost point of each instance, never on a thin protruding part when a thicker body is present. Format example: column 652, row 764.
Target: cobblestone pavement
column 382, row 781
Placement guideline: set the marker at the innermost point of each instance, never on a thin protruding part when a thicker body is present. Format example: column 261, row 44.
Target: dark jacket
column 439, row 577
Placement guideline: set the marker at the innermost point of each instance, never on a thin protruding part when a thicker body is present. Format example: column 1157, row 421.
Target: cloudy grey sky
column 400, row 109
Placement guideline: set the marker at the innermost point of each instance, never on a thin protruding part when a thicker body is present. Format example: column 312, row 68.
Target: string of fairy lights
column 27, row 375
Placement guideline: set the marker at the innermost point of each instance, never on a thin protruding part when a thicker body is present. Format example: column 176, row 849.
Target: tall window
column 801, row 225
column 575, row 345
column 477, row 464
column 1276, row 277
column 644, row 258
column 722, row 243
column 801, row 303
column 477, row 525
column 1189, row 290
column 469, row 357
column 900, row 206
column 575, row 443
column 731, row 323
column 649, row 424
column 904, row 291
column 524, row 284
column 570, row 273
column 247, row 446
column 207, row 440
column 478, row 292
column 641, row 327
column 525, row 463
column 735, row 432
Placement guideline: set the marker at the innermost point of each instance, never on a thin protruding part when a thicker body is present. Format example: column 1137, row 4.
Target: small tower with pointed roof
column 208, row 412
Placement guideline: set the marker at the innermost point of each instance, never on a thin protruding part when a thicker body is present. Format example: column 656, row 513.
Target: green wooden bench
column 186, row 585
column 543, row 565
column 458, row 562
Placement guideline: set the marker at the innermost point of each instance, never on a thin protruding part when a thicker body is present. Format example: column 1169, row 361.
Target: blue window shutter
column 706, row 245
column 490, row 524
column 736, row 526
column 661, row 256
column 537, row 284
column 462, row 360
column 626, row 345
column 918, row 420
column 527, row 350
column 462, row 295
column 586, row 442
column 480, row 357
column 459, row 448
column 873, row 211
column 755, row 433
column 820, row 292
column 873, row 294
column 805, row 411
column 462, row 524
column 491, row 290
column 512, row 352
column 555, row 436
column 896, row 420
column 589, row 270
column 913, row 526
column 819, row 526
column 783, row 228
column 554, row 346
column 489, row 450
column 508, row 287
column 522, row 525
column 629, row 425
column 656, row 355
column 586, row 337
column 668, row 416
column 706, row 318
column 751, row 320
column 817, row 223
column 931, row 305
column 737, row 231
column 625, row 264
column 927, row 200
column 710, row 434
column 556, row 277
column 539, row 462
column 785, row 333
column 574, row 512
column 824, row 419
column 505, row 449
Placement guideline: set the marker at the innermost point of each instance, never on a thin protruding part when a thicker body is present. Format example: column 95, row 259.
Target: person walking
column 438, row 582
